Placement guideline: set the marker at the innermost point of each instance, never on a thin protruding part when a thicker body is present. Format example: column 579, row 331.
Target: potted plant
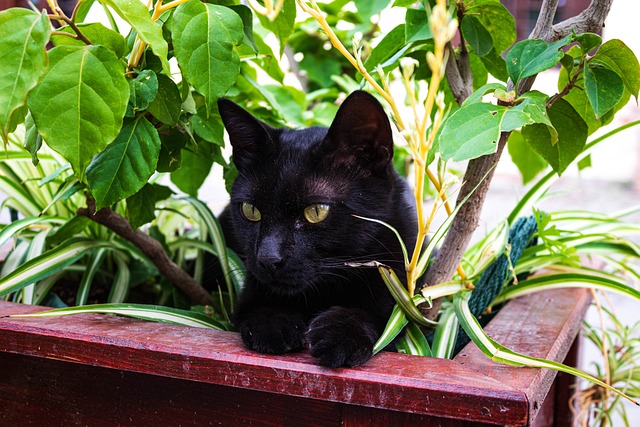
column 112, row 110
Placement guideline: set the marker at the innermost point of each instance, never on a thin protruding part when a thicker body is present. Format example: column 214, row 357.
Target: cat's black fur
column 299, row 291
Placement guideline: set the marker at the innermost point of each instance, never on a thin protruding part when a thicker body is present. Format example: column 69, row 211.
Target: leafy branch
column 62, row 17
column 479, row 172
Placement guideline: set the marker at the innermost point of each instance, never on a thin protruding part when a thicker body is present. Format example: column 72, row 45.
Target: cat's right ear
column 248, row 135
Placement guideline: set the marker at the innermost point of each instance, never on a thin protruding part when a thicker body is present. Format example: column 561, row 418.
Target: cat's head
column 297, row 191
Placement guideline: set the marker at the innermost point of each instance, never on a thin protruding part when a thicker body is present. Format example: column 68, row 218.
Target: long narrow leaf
column 402, row 297
column 482, row 254
column 444, row 340
column 95, row 261
column 46, row 264
column 18, row 197
column 390, row 227
column 396, row 323
column 560, row 281
column 120, row 285
column 217, row 238
column 16, row 227
column 140, row 311
column 414, row 342
column 500, row 353
column 36, row 247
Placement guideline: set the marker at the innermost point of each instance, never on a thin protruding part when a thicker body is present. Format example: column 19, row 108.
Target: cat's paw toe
column 277, row 334
column 340, row 337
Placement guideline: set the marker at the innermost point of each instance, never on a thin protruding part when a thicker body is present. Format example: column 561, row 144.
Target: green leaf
column 497, row 20
column 531, row 109
column 46, row 264
column 529, row 163
column 477, row 95
column 401, row 296
column 386, row 48
column 170, row 158
column 470, row 132
column 142, row 205
column 572, row 136
column 247, row 23
column 446, row 333
column 532, row 56
column 32, row 139
column 137, row 15
column 396, row 323
column 205, row 37
column 126, row 165
column 194, row 169
column 284, row 23
column 369, row 8
column 142, row 90
column 13, row 229
column 495, row 65
column 617, row 57
column 97, row 34
column 604, row 88
column 79, row 104
column 417, row 26
column 153, row 313
column 476, row 35
column 93, row 265
column 562, row 281
column 414, row 342
column 588, row 41
column 209, row 126
column 24, row 59
column 166, row 104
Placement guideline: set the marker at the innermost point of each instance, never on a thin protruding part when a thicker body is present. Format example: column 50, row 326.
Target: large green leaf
column 472, row 131
column 142, row 205
column 205, row 37
column 137, row 15
column 387, row 47
column 532, row 56
column 604, row 88
column 126, row 165
column 617, row 57
column 572, row 134
column 23, row 61
column 96, row 33
column 476, row 35
column 166, row 104
column 529, row 162
column 417, row 25
column 80, row 102
column 194, row 169
column 496, row 19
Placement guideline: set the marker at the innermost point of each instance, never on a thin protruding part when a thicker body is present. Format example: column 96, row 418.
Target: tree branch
column 151, row 248
column 467, row 220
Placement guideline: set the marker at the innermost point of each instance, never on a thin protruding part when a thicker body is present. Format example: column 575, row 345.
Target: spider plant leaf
column 502, row 354
column 396, row 323
column 120, row 286
column 400, row 294
column 47, row 264
column 444, row 340
column 561, row 281
column 217, row 238
column 13, row 229
column 93, row 265
column 414, row 342
column 36, row 247
column 139, row 311
column 18, row 197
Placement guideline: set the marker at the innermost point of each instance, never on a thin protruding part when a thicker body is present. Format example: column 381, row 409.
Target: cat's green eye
column 250, row 212
column 316, row 212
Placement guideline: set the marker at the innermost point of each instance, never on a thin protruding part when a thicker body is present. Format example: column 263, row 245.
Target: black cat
column 291, row 218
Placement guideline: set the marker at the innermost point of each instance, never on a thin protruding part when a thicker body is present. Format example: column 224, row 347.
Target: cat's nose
column 271, row 263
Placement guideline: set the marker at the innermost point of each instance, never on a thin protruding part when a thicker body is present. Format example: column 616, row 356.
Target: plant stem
column 151, row 248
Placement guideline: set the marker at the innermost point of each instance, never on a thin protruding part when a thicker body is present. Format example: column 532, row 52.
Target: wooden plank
column 470, row 388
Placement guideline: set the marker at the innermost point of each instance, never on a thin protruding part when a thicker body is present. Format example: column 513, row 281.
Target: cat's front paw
column 273, row 332
column 342, row 337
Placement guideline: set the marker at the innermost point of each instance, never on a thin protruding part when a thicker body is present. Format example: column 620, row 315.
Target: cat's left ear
column 360, row 135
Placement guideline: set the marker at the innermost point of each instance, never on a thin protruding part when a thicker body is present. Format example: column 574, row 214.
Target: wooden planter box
column 105, row 370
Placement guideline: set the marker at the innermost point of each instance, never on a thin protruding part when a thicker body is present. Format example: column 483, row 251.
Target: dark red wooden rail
column 105, row 370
